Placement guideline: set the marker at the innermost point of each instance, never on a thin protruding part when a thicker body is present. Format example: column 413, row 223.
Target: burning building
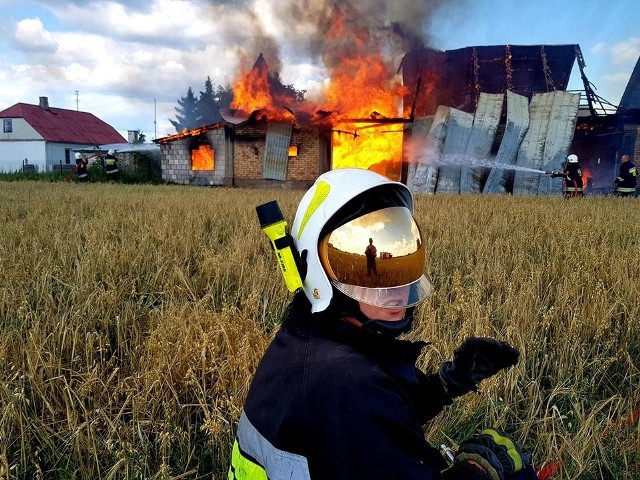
column 484, row 119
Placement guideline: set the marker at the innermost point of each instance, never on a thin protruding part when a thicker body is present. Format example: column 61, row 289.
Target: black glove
column 497, row 453
column 473, row 361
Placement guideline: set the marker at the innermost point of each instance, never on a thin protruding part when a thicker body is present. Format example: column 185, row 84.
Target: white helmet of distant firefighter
column 573, row 158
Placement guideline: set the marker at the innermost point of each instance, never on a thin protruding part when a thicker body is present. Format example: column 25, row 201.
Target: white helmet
column 343, row 212
column 78, row 155
column 111, row 152
column 572, row 158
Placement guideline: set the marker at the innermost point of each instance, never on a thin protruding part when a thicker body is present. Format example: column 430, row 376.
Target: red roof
column 65, row 126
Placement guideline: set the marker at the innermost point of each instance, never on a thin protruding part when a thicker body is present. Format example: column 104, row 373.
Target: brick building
column 252, row 153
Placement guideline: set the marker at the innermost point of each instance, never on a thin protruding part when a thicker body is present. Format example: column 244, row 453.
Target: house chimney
column 133, row 135
column 44, row 103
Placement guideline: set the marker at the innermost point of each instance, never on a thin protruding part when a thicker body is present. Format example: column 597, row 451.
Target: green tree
column 186, row 112
column 211, row 101
column 207, row 109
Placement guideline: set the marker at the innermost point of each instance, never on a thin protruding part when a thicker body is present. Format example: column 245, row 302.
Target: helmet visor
column 377, row 259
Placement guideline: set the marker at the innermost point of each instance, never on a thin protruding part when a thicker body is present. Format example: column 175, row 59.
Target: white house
column 43, row 137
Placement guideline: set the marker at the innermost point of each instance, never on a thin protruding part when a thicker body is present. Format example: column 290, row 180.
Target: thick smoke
column 324, row 32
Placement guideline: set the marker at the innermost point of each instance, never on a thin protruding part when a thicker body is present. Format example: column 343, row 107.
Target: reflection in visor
column 378, row 258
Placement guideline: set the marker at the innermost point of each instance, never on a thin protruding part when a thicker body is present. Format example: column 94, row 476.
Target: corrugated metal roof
column 276, row 153
column 64, row 126
column 532, row 147
column 515, row 130
column 458, row 133
column 425, row 177
column 483, row 132
column 562, row 126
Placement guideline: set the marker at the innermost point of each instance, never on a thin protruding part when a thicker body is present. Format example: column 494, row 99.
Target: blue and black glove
column 499, row 455
column 473, row 361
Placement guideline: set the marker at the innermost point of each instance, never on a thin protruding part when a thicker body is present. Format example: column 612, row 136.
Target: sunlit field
column 132, row 319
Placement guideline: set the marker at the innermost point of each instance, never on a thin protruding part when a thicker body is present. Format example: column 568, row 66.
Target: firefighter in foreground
column 572, row 177
column 625, row 182
column 337, row 394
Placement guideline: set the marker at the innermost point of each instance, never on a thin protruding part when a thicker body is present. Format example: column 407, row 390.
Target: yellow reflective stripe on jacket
column 626, row 189
column 508, row 444
column 633, row 171
column 109, row 161
column 255, row 458
column 243, row 468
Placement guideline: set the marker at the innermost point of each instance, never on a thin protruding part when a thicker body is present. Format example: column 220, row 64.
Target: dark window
column 67, row 156
column 7, row 125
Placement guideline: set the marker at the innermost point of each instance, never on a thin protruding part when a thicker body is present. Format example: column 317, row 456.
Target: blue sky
column 129, row 61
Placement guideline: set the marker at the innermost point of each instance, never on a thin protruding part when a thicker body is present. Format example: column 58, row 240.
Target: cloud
column 31, row 36
column 626, row 52
column 620, row 78
column 623, row 53
column 120, row 55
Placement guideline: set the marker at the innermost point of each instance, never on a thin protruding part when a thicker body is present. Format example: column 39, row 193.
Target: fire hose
column 556, row 174
column 75, row 169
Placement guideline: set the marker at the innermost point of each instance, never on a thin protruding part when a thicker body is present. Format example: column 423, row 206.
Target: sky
column 129, row 61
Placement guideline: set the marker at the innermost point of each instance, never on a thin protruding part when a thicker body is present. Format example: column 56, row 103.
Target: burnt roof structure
column 456, row 77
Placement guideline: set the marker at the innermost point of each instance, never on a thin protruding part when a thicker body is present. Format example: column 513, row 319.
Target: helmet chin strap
column 388, row 328
column 349, row 307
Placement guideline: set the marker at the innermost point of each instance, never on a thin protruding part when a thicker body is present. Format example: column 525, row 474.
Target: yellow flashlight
column 273, row 224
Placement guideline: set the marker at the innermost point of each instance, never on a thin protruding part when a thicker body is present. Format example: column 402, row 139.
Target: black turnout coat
column 333, row 401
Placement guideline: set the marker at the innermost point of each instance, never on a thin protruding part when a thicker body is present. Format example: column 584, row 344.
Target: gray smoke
column 328, row 31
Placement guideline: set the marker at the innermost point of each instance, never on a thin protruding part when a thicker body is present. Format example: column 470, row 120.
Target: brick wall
column 176, row 160
column 249, row 147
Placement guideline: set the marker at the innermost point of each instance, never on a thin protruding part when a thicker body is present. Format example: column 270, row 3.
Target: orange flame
column 251, row 91
column 202, row 158
column 586, row 177
column 362, row 89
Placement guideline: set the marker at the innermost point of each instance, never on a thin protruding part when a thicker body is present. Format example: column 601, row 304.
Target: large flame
column 363, row 97
column 254, row 90
column 361, row 89
column 251, row 91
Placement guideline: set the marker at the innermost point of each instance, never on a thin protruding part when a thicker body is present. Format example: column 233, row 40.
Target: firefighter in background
column 371, row 252
column 572, row 178
column 337, row 395
column 81, row 168
column 111, row 166
column 625, row 182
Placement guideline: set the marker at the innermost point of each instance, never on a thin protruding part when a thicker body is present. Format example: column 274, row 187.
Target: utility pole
column 77, row 101
column 155, row 124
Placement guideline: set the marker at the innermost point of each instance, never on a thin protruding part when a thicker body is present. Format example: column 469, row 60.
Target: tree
column 207, row 109
column 211, row 101
column 187, row 115
column 195, row 112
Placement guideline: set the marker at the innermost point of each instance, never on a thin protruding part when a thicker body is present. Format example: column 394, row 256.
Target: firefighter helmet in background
column 572, row 158
column 78, row 155
column 111, row 152
column 334, row 223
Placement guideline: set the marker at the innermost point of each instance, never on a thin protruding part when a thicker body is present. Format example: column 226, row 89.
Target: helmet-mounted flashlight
column 274, row 226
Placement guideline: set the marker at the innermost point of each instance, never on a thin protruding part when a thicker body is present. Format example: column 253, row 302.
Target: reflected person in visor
column 337, row 394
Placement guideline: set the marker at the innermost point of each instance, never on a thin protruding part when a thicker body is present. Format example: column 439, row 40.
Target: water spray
column 473, row 162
